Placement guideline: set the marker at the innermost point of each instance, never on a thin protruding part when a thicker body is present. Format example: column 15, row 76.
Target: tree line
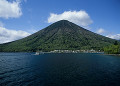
column 113, row 49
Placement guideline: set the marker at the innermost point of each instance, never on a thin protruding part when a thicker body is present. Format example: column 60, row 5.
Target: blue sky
column 29, row 16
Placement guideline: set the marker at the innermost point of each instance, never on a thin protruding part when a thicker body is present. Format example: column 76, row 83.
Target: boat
column 38, row 53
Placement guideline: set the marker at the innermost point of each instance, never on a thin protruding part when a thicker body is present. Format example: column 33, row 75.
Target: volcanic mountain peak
column 63, row 23
column 59, row 36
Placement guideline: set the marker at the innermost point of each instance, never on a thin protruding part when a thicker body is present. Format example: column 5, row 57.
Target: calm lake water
column 27, row 69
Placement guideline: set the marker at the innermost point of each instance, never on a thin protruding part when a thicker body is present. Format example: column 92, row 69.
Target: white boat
column 38, row 53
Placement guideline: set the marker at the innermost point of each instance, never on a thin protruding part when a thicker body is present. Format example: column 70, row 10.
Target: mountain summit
column 59, row 35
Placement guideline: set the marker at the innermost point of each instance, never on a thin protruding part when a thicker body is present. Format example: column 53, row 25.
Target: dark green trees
column 62, row 35
column 112, row 49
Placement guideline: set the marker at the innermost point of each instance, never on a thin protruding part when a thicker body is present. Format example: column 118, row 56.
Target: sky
column 21, row 18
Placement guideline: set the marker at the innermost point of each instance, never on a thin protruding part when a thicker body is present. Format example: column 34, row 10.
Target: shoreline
column 113, row 54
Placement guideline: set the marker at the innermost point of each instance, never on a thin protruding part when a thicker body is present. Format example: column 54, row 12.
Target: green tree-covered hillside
column 60, row 35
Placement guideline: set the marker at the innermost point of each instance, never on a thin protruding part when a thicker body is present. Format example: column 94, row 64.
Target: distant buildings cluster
column 75, row 51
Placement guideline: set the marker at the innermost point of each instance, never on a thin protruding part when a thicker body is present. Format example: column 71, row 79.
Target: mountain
column 60, row 35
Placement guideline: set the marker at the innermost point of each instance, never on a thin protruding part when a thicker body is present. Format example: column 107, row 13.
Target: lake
column 59, row 69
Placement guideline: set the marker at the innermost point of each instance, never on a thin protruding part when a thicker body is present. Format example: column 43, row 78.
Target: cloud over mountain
column 7, row 35
column 117, row 36
column 100, row 31
column 78, row 17
column 10, row 9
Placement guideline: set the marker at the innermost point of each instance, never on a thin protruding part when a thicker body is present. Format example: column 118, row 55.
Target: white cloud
column 117, row 36
column 7, row 35
column 78, row 17
column 10, row 9
column 100, row 31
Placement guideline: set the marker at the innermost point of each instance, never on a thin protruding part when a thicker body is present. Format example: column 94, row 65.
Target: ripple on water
column 27, row 69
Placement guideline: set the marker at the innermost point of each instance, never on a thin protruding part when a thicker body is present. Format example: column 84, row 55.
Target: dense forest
column 62, row 35
column 112, row 49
